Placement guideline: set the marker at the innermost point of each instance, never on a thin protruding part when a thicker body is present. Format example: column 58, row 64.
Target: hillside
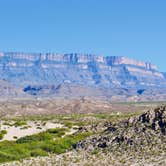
column 119, row 140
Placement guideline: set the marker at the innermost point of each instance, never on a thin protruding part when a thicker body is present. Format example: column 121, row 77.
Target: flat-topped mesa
column 136, row 68
column 87, row 69
column 78, row 58
column 115, row 60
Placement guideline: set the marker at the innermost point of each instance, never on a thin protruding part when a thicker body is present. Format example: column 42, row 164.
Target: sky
column 132, row 28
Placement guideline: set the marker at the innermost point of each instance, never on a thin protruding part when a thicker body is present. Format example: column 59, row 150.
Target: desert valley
column 83, row 110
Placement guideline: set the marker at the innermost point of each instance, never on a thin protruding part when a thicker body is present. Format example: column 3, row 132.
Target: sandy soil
column 14, row 133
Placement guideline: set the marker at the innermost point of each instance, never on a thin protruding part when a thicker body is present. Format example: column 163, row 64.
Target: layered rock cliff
column 24, row 69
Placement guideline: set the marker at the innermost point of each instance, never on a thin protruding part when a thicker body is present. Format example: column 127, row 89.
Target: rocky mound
column 144, row 132
column 156, row 119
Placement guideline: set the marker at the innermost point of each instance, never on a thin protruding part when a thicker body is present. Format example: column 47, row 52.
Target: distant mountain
column 47, row 74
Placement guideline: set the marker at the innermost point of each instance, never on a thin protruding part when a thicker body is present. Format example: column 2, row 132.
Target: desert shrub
column 34, row 138
column 2, row 133
column 20, row 123
column 58, row 131
column 25, row 127
column 38, row 152
column 68, row 124
column 6, row 123
column 1, row 136
column 9, row 151
column 39, row 145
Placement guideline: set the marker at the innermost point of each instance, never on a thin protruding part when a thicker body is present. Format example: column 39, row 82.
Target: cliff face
column 18, row 59
column 23, row 69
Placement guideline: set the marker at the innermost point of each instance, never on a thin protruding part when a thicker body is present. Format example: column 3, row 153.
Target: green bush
column 38, row 145
column 2, row 133
column 38, row 152
column 58, row 131
column 1, row 136
column 20, row 123
column 7, row 124
column 68, row 124
column 34, row 138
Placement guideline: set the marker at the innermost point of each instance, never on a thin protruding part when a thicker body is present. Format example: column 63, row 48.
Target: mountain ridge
column 93, row 64
column 75, row 57
column 59, row 74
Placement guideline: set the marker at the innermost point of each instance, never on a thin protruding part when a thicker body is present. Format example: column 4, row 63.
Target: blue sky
column 133, row 28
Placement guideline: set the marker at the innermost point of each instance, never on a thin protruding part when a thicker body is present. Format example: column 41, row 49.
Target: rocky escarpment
column 77, row 75
column 142, row 133
column 23, row 69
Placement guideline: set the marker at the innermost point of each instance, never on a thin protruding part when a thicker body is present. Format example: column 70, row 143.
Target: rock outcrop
column 143, row 132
